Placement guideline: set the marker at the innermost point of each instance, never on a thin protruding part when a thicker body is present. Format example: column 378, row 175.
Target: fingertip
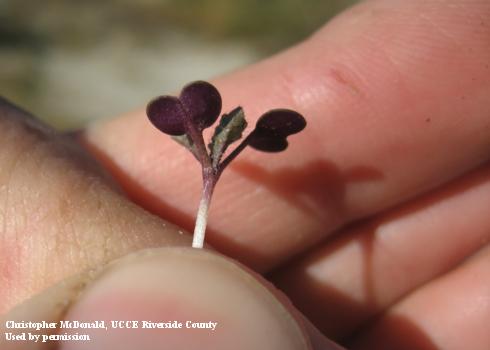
column 207, row 301
column 195, row 298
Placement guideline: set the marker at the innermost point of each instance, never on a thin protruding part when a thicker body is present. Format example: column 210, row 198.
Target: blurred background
column 71, row 61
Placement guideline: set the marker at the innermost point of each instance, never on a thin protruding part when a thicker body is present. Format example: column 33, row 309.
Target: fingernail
column 179, row 298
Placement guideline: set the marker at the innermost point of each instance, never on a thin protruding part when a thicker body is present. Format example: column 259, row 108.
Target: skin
column 374, row 222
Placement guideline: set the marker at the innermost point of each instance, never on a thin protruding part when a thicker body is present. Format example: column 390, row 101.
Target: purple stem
column 209, row 177
column 202, row 212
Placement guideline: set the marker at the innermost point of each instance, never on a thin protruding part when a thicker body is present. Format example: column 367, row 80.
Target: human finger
column 347, row 281
column 395, row 94
column 451, row 312
column 197, row 297
column 59, row 214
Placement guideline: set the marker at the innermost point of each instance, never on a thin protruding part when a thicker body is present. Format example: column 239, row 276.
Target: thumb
column 175, row 298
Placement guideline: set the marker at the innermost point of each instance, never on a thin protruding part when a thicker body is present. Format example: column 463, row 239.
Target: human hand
column 63, row 221
column 395, row 97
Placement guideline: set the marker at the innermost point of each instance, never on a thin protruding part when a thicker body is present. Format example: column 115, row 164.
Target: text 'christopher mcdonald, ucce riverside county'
column 113, row 324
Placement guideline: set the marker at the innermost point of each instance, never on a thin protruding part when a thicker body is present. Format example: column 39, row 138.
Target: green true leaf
column 229, row 130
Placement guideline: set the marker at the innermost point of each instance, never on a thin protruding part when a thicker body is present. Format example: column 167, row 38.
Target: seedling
column 197, row 108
